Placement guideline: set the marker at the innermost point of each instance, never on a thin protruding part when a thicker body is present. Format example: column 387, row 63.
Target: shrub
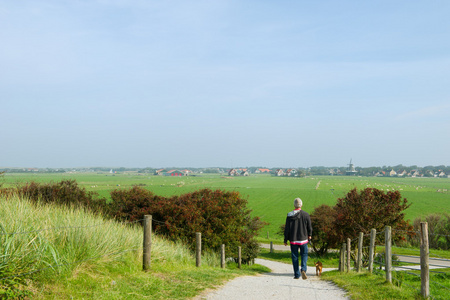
column 438, row 228
column 66, row 192
column 133, row 204
column 371, row 208
column 324, row 235
column 221, row 216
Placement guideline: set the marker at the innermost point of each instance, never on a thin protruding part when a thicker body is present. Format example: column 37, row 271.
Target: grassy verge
column 405, row 285
column 49, row 252
column 369, row 286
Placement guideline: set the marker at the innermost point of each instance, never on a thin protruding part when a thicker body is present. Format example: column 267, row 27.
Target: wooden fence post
column 424, row 263
column 239, row 257
column 271, row 247
column 373, row 235
column 360, row 246
column 222, row 256
column 388, row 254
column 198, row 249
column 342, row 257
column 147, row 242
column 349, row 254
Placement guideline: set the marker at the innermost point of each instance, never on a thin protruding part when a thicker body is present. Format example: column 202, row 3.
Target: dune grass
column 53, row 252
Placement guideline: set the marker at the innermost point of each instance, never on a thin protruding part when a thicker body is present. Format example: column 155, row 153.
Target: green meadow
column 268, row 197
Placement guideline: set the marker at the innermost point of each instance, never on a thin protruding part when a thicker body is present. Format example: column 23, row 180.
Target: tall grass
column 61, row 253
column 57, row 239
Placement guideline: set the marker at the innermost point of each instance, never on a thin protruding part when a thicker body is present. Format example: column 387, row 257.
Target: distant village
column 309, row 172
column 349, row 170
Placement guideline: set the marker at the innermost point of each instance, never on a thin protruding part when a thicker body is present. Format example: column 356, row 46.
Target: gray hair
column 298, row 203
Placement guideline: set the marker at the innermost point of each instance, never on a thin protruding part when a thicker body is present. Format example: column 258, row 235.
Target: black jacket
column 298, row 226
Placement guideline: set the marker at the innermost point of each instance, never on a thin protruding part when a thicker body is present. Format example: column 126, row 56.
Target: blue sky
column 137, row 83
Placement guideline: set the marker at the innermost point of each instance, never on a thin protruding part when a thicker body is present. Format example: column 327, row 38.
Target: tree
column 370, row 208
column 324, row 235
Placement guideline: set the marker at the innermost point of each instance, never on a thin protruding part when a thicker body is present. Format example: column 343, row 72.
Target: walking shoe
column 296, row 277
column 304, row 275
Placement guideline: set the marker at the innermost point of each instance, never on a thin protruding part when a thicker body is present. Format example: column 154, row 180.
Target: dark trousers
column 303, row 257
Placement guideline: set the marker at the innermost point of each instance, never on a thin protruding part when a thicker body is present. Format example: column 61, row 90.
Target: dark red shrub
column 371, row 208
column 221, row 217
column 133, row 204
column 324, row 234
column 66, row 192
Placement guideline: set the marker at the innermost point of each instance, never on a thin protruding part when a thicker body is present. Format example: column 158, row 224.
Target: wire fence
column 423, row 270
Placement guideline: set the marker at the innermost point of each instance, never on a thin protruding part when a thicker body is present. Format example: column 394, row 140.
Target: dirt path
column 278, row 284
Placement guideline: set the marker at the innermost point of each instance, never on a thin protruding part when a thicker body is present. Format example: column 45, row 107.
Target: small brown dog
column 318, row 268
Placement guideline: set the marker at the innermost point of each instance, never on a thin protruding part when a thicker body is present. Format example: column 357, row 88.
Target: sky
column 143, row 83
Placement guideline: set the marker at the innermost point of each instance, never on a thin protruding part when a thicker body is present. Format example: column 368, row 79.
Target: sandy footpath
column 278, row 284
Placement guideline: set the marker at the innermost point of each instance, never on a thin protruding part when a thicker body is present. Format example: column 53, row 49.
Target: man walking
column 298, row 231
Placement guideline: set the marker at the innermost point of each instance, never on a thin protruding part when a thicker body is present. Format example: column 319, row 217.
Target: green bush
column 438, row 228
column 222, row 217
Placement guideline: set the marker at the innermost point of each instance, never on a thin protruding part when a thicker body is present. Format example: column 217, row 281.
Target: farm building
column 440, row 174
column 414, row 173
column 335, row 171
column 238, row 172
column 164, row 172
column 262, row 171
column 279, row 172
column 160, row 172
column 291, row 172
column 175, row 173
column 186, row 172
column 402, row 173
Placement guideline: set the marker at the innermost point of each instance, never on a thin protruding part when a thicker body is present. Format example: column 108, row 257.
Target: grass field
column 269, row 197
